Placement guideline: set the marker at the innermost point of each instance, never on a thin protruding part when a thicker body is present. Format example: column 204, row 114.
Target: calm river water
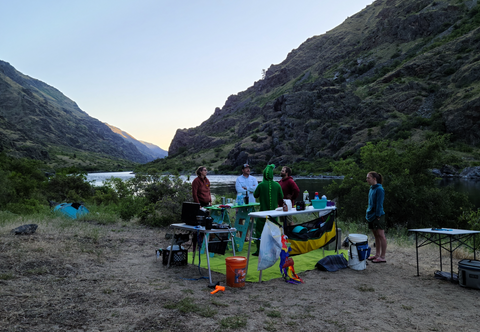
column 224, row 185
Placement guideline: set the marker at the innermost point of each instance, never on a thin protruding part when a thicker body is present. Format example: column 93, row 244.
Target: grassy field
column 90, row 276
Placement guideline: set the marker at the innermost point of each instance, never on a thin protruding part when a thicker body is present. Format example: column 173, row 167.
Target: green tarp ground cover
column 303, row 262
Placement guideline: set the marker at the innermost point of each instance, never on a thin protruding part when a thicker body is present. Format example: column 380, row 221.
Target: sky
column 150, row 67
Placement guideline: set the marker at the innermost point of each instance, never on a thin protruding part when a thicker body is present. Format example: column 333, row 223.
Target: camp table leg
column 440, row 246
column 194, row 234
column 232, row 238
column 171, row 248
column 208, row 257
column 451, row 263
column 416, row 247
column 249, row 245
column 474, row 250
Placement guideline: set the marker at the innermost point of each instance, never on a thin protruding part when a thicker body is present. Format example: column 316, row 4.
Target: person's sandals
column 371, row 258
column 379, row 260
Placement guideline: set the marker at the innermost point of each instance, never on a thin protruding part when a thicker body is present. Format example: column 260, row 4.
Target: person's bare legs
column 378, row 248
column 382, row 243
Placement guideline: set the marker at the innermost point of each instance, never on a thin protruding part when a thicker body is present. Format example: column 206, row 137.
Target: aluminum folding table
column 201, row 229
column 457, row 236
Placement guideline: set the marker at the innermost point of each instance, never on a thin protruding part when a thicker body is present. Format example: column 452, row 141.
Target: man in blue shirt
column 246, row 184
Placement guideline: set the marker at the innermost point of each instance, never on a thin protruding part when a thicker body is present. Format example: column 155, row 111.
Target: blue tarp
column 73, row 210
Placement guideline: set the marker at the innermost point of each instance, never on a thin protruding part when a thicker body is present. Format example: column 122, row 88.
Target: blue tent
column 73, row 210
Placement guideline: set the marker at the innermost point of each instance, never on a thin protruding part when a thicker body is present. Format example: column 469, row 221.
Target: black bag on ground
column 332, row 263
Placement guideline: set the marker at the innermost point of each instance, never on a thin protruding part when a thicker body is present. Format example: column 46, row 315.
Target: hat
column 245, row 166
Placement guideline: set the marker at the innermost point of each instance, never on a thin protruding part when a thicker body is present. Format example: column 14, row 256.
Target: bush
column 411, row 196
column 164, row 197
column 64, row 187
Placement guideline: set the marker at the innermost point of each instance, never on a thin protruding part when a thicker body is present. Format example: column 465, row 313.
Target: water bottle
column 306, row 197
column 240, row 199
column 316, row 195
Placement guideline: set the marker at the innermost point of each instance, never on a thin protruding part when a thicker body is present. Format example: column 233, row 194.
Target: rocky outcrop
column 395, row 69
column 36, row 118
column 471, row 173
column 447, row 171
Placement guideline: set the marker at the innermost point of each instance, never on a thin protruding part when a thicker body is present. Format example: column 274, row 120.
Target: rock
column 449, row 170
column 25, row 229
column 471, row 173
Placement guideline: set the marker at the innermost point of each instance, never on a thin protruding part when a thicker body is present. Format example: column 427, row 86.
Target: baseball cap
column 245, row 166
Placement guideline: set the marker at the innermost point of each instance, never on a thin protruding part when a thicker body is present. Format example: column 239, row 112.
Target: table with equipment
column 447, row 239
column 242, row 219
column 206, row 232
column 281, row 213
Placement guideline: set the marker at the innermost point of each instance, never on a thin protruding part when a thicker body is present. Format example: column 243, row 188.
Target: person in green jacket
column 270, row 195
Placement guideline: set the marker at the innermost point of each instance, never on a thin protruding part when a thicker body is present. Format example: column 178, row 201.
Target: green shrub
column 164, row 197
column 64, row 187
column 411, row 196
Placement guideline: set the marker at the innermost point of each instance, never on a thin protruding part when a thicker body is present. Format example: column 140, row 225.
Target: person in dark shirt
column 201, row 188
column 289, row 188
column 376, row 216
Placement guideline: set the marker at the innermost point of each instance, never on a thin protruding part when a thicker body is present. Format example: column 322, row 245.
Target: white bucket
column 353, row 262
column 357, row 238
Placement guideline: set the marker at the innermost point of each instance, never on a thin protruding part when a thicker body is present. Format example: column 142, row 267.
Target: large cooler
column 469, row 273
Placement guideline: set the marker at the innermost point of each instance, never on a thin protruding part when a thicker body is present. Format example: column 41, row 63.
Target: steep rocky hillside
column 398, row 69
column 38, row 121
column 149, row 150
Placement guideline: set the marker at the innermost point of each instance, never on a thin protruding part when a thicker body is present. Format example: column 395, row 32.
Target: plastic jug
column 306, row 197
column 240, row 199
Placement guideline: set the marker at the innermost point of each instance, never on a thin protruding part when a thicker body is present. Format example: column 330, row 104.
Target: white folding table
column 201, row 229
column 276, row 213
column 457, row 236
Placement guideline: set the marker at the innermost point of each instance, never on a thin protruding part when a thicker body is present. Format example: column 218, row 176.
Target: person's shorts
column 377, row 224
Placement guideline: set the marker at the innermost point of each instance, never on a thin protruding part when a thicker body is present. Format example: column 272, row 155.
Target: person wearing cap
column 246, row 184
column 201, row 188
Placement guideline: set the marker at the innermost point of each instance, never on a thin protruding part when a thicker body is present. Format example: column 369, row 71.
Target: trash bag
column 270, row 245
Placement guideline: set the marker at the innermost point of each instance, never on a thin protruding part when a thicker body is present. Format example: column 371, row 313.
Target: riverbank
column 81, row 276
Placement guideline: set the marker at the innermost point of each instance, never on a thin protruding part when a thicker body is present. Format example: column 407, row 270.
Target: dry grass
column 82, row 276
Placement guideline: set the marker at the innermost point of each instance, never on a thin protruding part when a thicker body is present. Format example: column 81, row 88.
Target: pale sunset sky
column 150, row 67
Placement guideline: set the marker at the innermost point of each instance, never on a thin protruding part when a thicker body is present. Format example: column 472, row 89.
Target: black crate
column 179, row 257
column 217, row 247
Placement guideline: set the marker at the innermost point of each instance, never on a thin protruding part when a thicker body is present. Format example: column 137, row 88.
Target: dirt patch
column 107, row 278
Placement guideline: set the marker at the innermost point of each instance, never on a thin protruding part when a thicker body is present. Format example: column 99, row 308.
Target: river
column 224, row 185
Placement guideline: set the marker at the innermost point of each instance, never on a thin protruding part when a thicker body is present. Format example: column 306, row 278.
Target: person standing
column 270, row 196
column 201, row 188
column 289, row 187
column 246, row 184
column 376, row 216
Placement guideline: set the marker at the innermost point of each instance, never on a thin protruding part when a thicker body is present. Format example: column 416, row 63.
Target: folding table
column 457, row 236
column 276, row 213
column 201, row 229
column 220, row 215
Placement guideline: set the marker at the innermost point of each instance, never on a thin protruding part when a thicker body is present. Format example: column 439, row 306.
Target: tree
column 412, row 198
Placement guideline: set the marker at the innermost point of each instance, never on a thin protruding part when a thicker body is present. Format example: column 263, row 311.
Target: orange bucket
column 236, row 267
